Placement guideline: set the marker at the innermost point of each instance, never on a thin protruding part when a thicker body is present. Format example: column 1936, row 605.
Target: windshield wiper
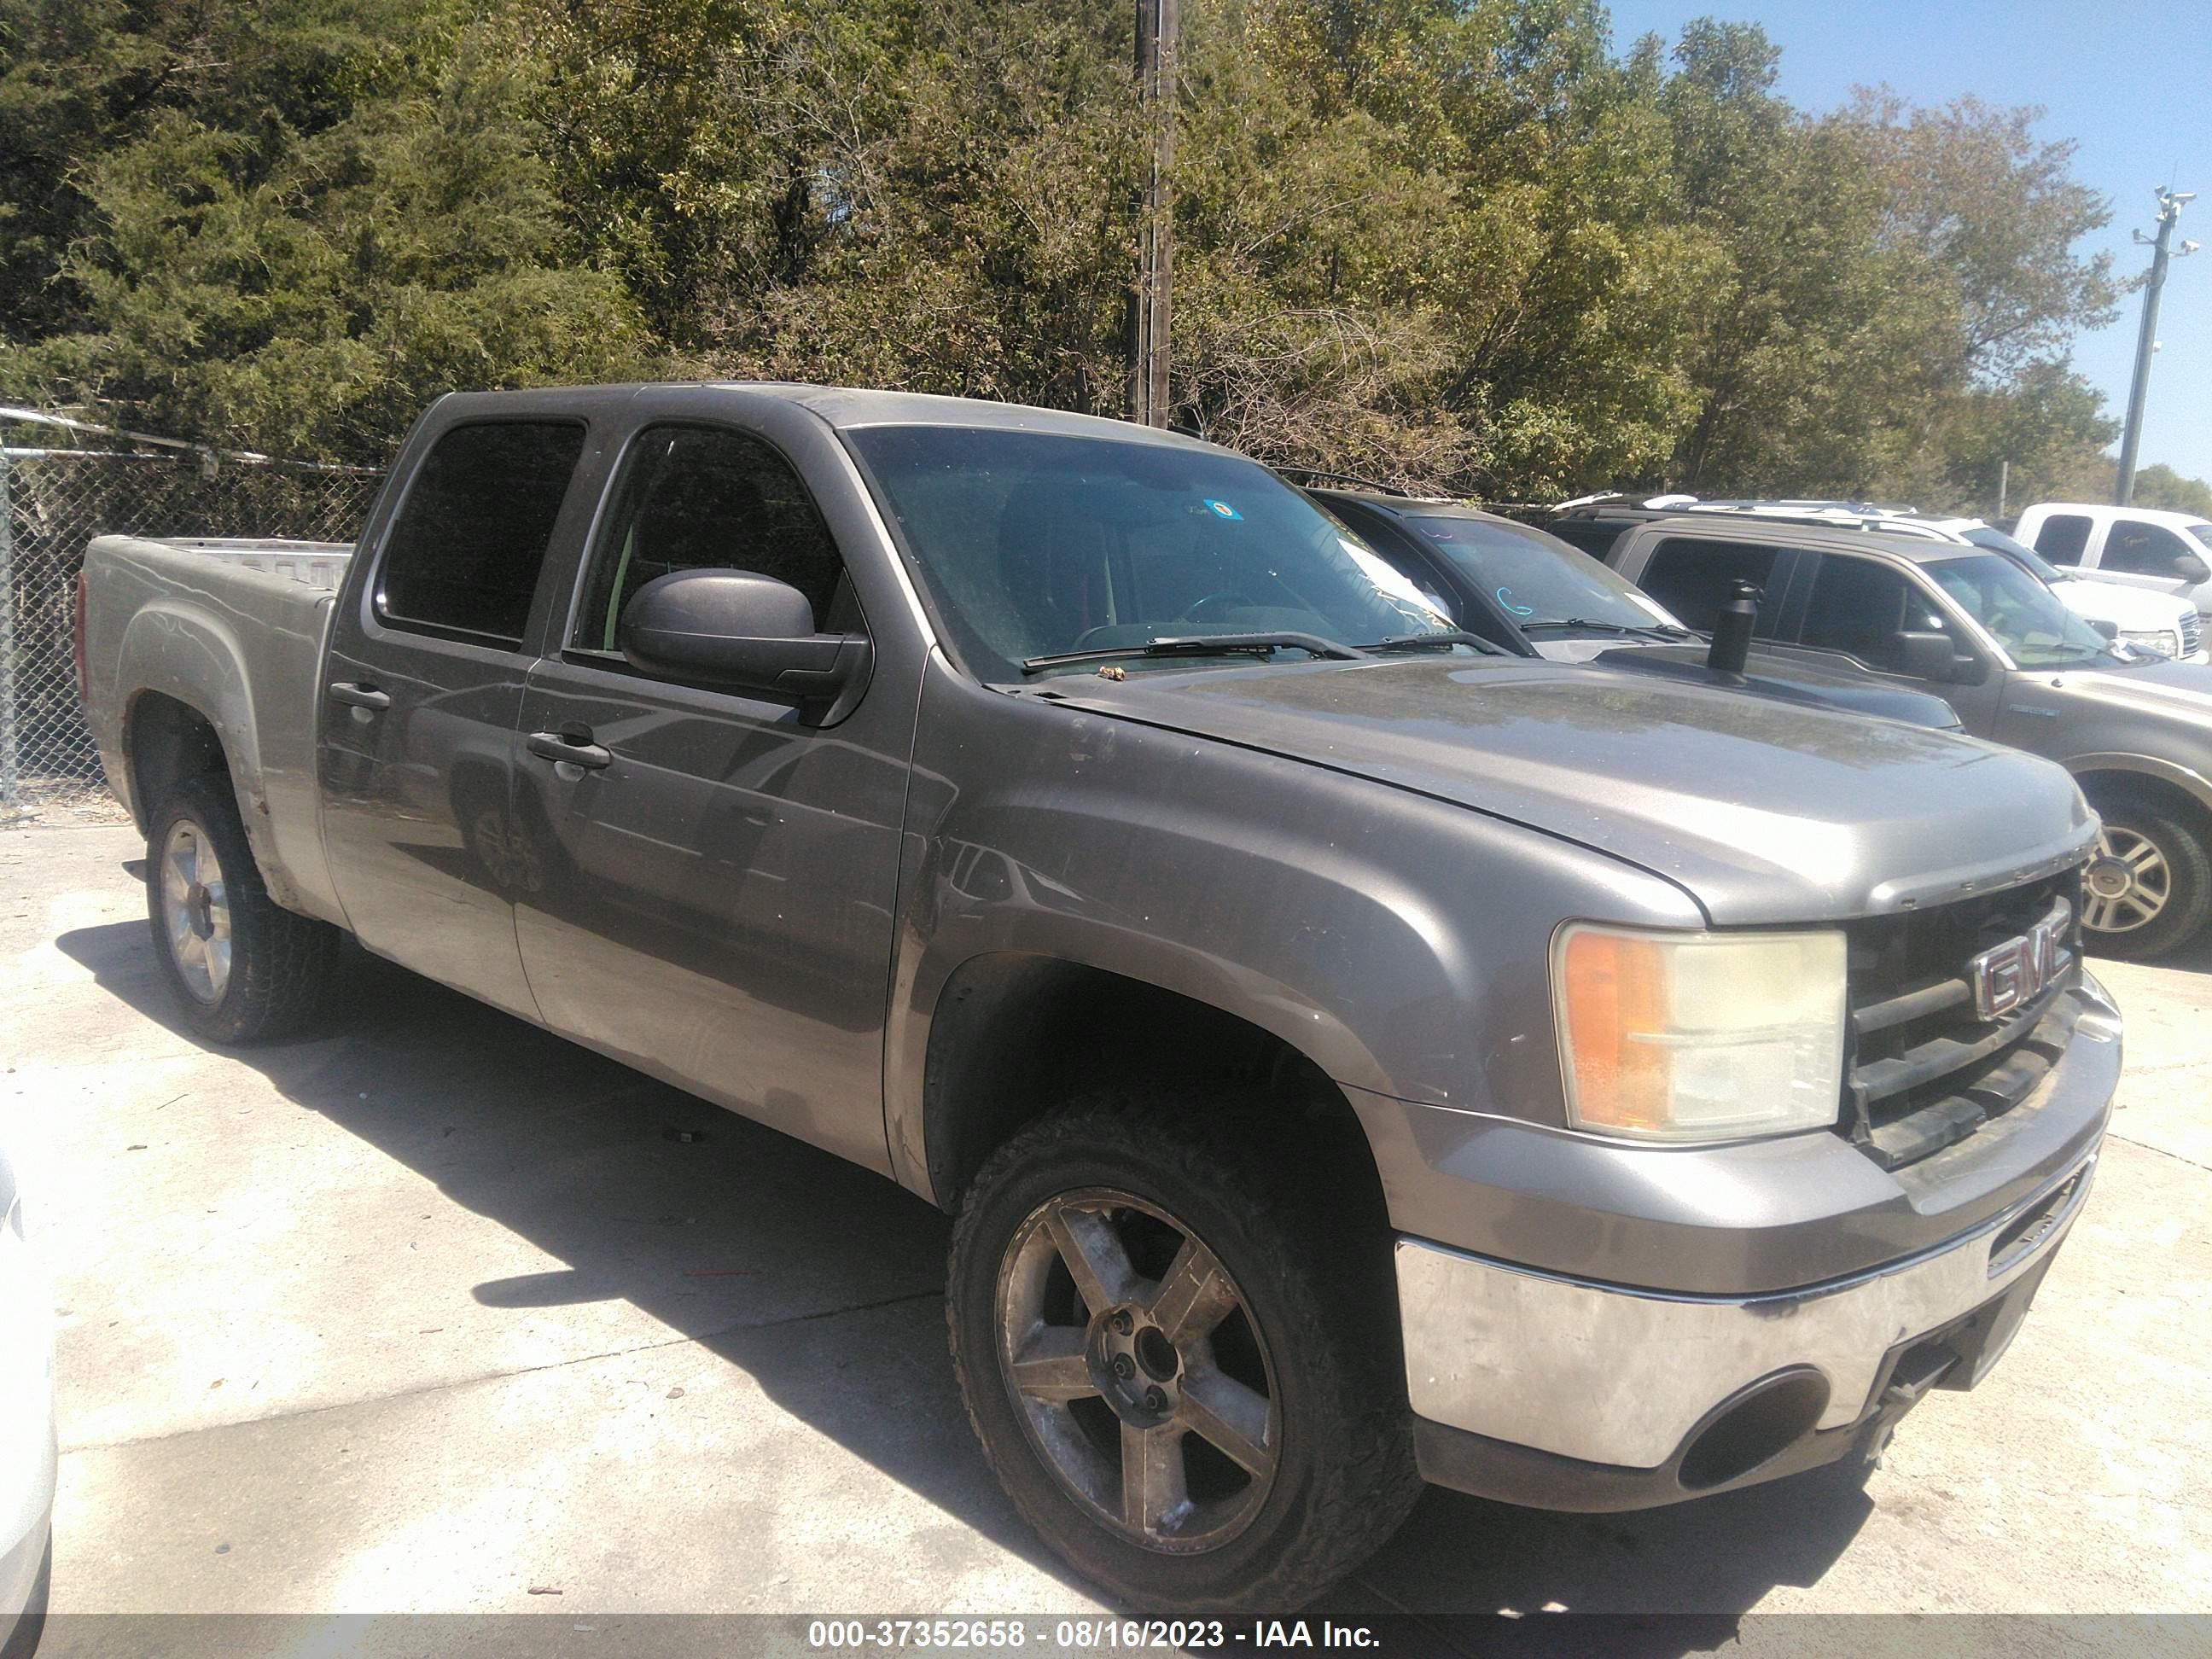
column 1204, row 645
column 1648, row 631
column 1449, row 636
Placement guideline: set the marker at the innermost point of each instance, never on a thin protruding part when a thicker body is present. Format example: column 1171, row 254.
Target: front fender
column 2189, row 781
column 1398, row 942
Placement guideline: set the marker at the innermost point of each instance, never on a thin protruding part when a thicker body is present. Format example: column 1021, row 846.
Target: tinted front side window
column 2031, row 622
column 463, row 554
column 1860, row 607
column 1693, row 579
column 1037, row 543
column 707, row 498
column 2142, row 550
column 2063, row 538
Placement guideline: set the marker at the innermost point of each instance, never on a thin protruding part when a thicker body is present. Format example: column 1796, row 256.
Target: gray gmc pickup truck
column 1351, row 1056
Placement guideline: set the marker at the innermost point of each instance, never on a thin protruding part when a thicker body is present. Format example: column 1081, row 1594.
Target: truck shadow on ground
column 821, row 1282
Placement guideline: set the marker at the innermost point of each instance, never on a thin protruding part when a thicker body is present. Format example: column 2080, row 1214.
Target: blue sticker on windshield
column 1222, row 510
column 1505, row 598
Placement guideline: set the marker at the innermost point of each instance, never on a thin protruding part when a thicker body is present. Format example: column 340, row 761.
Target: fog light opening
column 1758, row 1426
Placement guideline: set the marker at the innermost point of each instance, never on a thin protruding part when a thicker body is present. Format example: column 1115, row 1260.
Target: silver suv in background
column 1970, row 625
column 2161, row 624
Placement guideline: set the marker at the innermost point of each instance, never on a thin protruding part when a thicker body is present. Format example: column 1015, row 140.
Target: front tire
column 1174, row 1361
column 241, row 967
column 2149, row 888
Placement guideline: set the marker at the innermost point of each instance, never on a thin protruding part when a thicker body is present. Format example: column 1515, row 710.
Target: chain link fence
column 55, row 499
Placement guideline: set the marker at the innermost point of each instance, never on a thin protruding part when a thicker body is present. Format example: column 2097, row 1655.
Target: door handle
column 551, row 745
column 359, row 696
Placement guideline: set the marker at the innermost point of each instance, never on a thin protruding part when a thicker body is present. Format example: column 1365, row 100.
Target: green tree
column 1461, row 244
column 2161, row 486
column 307, row 289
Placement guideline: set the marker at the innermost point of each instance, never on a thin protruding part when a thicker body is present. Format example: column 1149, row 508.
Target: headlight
column 2164, row 643
column 1698, row 1036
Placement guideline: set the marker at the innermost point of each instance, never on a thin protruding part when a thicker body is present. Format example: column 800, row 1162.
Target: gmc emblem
column 2005, row 976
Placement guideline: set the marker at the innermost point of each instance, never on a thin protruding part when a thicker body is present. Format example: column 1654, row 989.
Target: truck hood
column 2132, row 609
column 2177, row 691
column 1764, row 811
column 1791, row 679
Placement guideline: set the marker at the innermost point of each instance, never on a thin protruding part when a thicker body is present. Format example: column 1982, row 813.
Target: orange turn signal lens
column 1615, row 991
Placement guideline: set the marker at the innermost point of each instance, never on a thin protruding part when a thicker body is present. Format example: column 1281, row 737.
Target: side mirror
column 2105, row 626
column 746, row 632
column 1925, row 656
column 2190, row 568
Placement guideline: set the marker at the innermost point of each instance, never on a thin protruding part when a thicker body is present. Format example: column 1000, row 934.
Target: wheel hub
column 2109, row 878
column 1136, row 1367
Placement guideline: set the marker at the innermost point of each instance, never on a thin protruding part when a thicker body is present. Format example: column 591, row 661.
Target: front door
column 2149, row 556
column 423, row 687
column 709, row 879
column 1860, row 607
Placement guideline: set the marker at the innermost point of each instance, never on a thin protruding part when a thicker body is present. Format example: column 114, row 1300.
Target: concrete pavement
column 437, row 1313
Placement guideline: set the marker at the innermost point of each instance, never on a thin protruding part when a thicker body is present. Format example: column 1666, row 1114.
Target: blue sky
column 2131, row 84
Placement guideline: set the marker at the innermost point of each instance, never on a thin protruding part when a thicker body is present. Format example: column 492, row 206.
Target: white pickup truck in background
column 2141, row 546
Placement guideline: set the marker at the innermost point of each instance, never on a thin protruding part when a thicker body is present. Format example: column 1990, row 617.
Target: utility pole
column 1152, row 302
column 2170, row 203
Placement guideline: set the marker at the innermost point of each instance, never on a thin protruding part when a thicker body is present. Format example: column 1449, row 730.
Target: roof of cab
column 1714, row 526
column 850, row 407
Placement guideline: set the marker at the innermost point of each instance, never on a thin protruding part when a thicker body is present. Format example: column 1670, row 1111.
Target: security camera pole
column 2170, row 203
column 1152, row 302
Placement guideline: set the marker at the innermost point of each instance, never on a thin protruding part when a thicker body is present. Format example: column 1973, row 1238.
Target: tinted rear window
column 1595, row 536
column 1693, row 579
column 2063, row 537
column 464, row 555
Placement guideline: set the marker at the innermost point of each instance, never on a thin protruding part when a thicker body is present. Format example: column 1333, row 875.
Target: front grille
column 2192, row 634
column 1924, row 1068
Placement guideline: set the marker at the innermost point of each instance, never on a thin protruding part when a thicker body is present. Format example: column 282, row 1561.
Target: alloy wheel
column 1138, row 1370
column 195, row 909
column 2128, row 882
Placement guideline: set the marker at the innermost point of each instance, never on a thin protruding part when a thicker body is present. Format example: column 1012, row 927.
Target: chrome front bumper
column 1613, row 1375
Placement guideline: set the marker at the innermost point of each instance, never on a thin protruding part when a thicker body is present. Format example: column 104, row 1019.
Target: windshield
column 2035, row 627
column 2203, row 532
column 1036, row 543
column 2019, row 552
column 1538, row 578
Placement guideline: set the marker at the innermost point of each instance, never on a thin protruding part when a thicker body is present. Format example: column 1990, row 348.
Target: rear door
column 422, row 685
column 1693, row 576
column 2064, row 538
column 709, row 880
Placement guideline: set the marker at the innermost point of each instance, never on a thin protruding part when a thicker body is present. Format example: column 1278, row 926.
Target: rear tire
column 241, row 967
column 2159, row 865
column 1242, row 1310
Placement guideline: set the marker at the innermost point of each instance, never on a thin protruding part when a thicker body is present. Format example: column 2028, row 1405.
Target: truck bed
column 232, row 629
column 318, row 564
